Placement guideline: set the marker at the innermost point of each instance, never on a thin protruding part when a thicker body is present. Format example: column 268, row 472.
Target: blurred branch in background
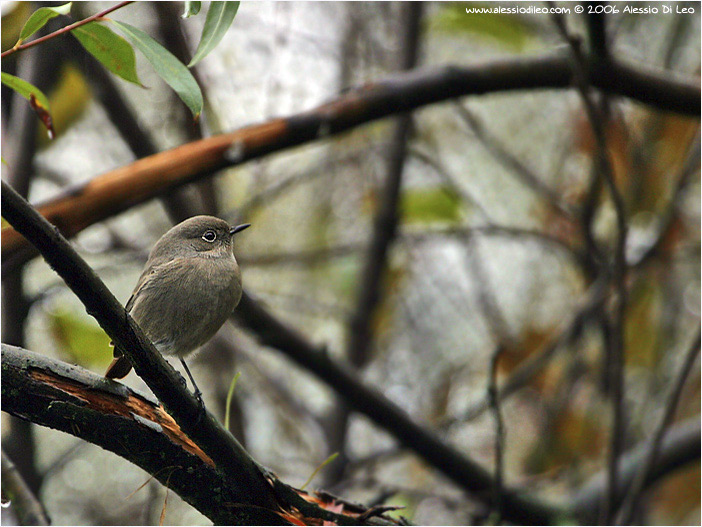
column 629, row 504
column 462, row 470
column 360, row 338
column 680, row 447
column 16, row 492
column 614, row 340
column 83, row 206
column 518, row 168
column 570, row 332
column 500, row 435
column 19, row 150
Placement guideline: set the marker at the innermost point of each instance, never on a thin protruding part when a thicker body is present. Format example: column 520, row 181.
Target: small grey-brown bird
column 190, row 285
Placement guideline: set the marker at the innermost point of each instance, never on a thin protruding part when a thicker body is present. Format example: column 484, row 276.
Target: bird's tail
column 119, row 368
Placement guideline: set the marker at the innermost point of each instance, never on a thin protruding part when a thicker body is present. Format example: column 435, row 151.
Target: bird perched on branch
column 190, row 285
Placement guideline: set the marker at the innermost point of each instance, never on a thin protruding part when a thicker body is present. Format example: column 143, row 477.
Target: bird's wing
column 145, row 279
column 142, row 285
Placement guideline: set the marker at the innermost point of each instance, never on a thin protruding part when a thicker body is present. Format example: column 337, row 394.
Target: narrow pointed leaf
column 220, row 16
column 37, row 100
column 169, row 68
column 111, row 50
column 25, row 89
column 191, row 9
column 39, row 19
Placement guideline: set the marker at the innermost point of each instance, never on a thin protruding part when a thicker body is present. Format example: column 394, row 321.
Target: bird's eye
column 209, row 236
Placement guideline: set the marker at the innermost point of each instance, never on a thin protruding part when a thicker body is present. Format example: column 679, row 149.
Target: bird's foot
column 202, row 410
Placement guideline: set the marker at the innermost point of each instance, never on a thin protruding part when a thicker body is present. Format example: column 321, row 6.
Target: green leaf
column 191, row 9
column 510, row 30
column 320, row 467
column 435, row 204
column 39, row 19
column 220, row 16
column 81, row 338
column 169, row 68
column 25, row 89
column 111, row 50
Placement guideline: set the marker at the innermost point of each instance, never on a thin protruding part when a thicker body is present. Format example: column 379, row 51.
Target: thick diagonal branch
column 110, row 415
column 245, row 476
column 516, row 507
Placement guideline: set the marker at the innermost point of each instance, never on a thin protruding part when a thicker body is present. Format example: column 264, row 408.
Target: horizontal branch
column 108, row 414
column 116, row 191
column 73, row 400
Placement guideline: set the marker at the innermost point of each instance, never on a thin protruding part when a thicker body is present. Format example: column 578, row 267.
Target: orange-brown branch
column 116, row 191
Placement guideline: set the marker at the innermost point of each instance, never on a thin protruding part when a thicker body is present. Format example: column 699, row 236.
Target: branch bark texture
column 110, row 415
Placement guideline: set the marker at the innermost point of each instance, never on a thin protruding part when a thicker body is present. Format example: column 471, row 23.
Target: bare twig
column 441, row 171
column 615, row 342
column 24, row 503
column 680, row 448
column 629, row 505
column 360, row 336
column 500, row 435
column 315, row 255
column 520, row 170
column 691, row 165
column 308, row 173
column 496, row 322
column 526, row 371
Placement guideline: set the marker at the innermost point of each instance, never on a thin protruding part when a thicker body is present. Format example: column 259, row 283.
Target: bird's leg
column 198, row 393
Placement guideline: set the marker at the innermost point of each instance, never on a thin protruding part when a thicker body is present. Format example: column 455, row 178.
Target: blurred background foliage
column 468, row 218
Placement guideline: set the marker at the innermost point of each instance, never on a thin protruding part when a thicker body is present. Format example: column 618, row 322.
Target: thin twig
column 680, row 448
column 441, row 171
column 691, row 165
column 315, row 255
column 65, row 29
column 500, row 436
column 526, row 371
column 523, row 173
column 360, row 338
column 629, row 505
column 496, row 322
column 24, row 503
column 615, row 342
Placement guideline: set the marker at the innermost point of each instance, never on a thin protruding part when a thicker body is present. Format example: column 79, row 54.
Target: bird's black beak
column 239, row 228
